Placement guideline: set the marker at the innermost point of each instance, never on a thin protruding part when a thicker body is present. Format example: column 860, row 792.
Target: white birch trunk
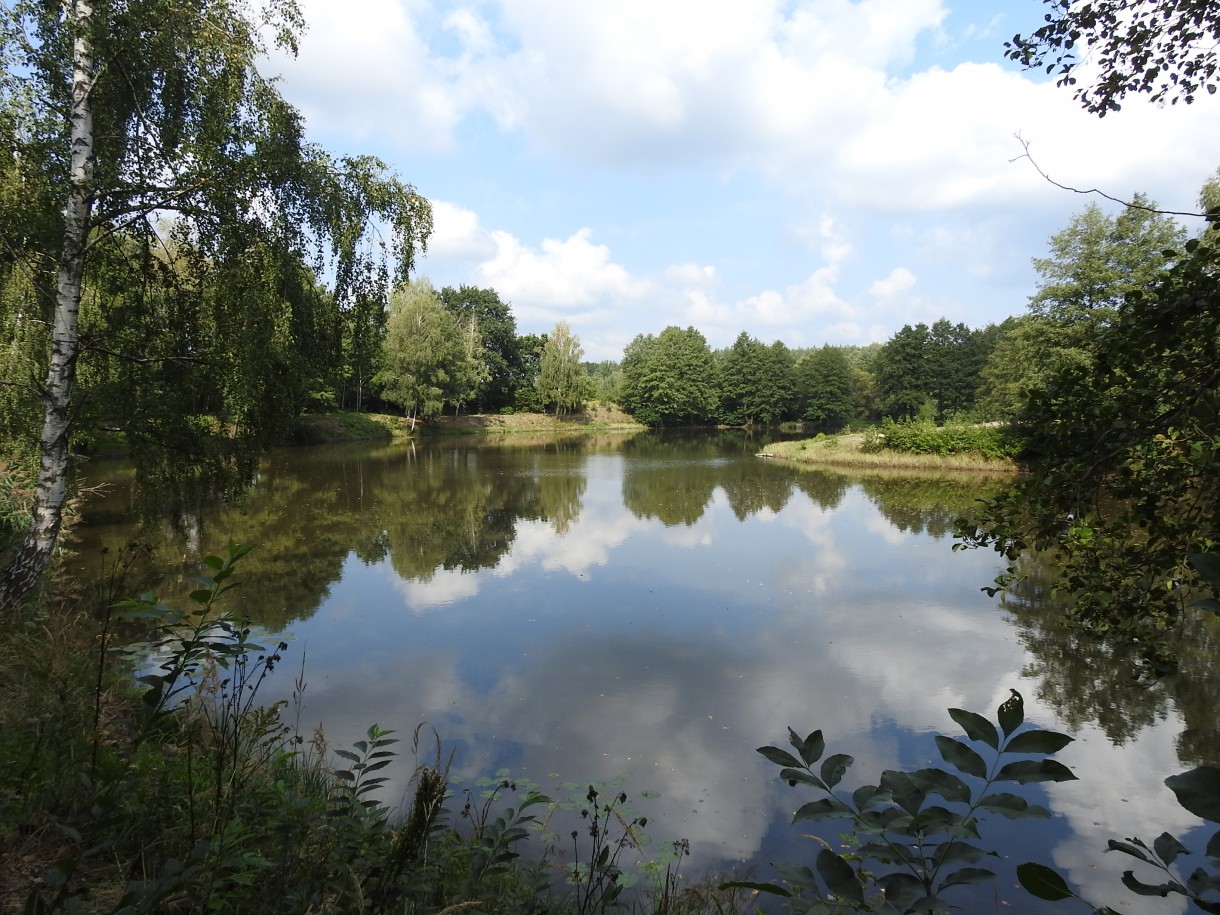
column 51, row 486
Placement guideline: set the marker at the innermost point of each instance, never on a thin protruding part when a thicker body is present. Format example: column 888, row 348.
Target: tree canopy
column 562, row 382
column 669, row 379
column 156, row 181
column 427, row 360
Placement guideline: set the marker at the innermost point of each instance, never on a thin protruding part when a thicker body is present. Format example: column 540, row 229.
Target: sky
column 811, row 171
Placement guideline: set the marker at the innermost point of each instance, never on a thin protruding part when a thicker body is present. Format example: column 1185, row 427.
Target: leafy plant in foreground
column 911, row 850
column 1197, row 791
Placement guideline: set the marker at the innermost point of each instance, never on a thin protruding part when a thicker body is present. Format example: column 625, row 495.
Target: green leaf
column 201, row 596
column 1201, row 881
column 1207, row 565
column 820, row 809
column 1213, row 846
column 966, row 877
column 890, row 818
column 799, row 776
column 1043, row 882
column 900, row 890
column 942, row 783
column 798, row 875
column 956, row 850
column 1013, row 807
column 1150, row 889
column 780, row 757
column 1024, row 771
column 961, row 756
column 934, row 819
column 1129, row 848
column 1038, row 742
column 1168, row 848
column 1198, row 791
column 834, row 767
column 1011, row 712
column 976, row 727
column 906, row 793
column 1208, row 603
column 867, row 795
column 811, row 748
column 840, row 879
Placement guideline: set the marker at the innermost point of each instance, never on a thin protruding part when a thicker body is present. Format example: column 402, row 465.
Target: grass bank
column 334, row 428
column 328, row 428
column 857, row 452
column 595, row 417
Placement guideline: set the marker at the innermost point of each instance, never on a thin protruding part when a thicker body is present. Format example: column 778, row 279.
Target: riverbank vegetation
column 908, row 445
column 179, row 791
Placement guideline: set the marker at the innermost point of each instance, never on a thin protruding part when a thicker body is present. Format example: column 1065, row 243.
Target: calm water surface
column 658, row 607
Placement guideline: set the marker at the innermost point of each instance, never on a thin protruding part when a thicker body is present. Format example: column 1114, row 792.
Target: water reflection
column 662, row 605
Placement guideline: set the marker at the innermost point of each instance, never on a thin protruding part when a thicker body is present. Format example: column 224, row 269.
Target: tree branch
column 1093, row 190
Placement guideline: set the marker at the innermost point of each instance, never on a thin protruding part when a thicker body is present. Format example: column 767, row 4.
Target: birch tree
column 562, row 381
column 149, row 122
column 426, row 359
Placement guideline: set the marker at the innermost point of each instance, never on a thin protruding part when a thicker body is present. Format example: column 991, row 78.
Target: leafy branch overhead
column 1165, row 49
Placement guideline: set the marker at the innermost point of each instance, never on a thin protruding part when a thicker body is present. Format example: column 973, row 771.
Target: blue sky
column 813, row 171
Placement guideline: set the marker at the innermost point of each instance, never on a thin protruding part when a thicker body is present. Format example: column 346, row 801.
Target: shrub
column 925, row 437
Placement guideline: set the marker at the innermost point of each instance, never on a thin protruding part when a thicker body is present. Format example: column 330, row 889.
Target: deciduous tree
column 425, row 362
column 497, row 329
column 147, row 123
column 562, row 382
column 669, row 379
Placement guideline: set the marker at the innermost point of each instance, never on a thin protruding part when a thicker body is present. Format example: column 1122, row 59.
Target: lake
column 656, row 607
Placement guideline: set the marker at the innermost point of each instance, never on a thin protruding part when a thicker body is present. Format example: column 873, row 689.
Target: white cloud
column 898, row 283
column 457, row 234
column 443, row 588
column 559, row 277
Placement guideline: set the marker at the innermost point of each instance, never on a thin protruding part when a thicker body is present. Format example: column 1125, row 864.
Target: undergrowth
column 151, row 779
column 996, row 443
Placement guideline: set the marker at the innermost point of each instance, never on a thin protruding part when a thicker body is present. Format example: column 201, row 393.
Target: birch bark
column 25, row 568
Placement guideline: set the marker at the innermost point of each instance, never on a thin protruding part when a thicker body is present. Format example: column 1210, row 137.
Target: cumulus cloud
column 559, row 276
column 457, row 234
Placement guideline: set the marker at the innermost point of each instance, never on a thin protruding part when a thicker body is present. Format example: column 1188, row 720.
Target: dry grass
column 846, row 452
column 595, row 415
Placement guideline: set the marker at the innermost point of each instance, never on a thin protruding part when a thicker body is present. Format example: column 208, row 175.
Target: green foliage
column 562, row 382
column 1198, row 791
column 1165, row 49
column 925, row 437
column 165, row 222
column 669, row 379
column 265, row 821
column 825, row 387
column 908, row 850
column 755, row 382
column 1123, row 453
column 1098, row 260
column 425, row 362
column 482, row 310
